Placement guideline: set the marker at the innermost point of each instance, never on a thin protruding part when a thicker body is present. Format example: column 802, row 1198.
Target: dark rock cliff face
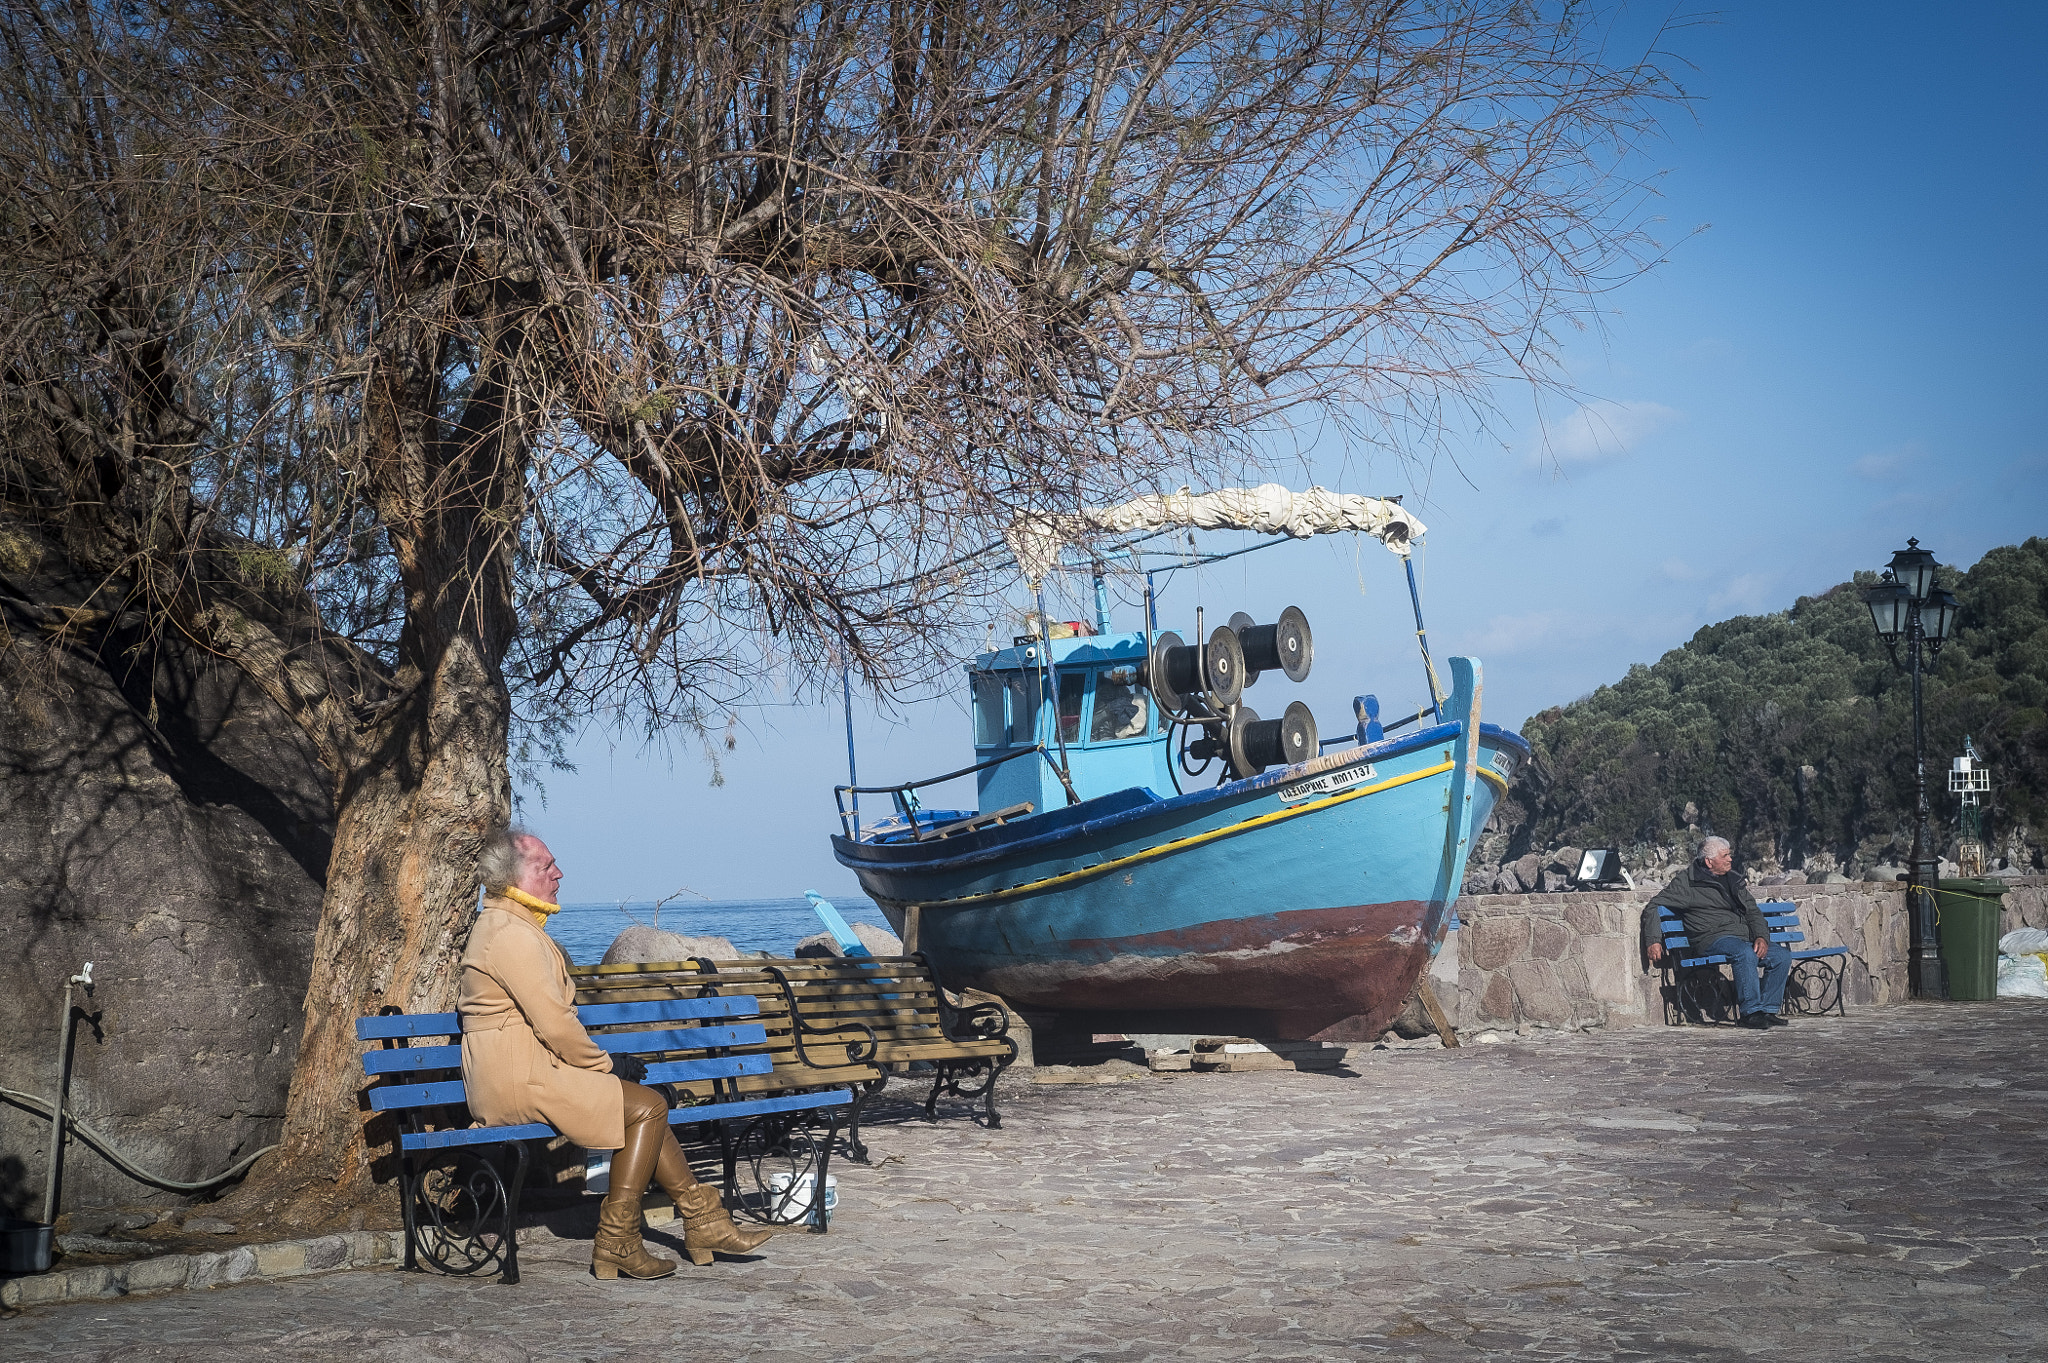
column 163, row 820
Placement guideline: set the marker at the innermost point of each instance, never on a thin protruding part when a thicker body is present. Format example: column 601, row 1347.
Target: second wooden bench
column 1693, row 981
column 850, row 1019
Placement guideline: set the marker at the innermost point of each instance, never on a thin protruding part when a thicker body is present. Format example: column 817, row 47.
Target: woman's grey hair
column 503, row 858
column 1709, row 846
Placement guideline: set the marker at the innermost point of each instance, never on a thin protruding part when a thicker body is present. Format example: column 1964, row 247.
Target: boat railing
column 905, row 797
column 1324, row 745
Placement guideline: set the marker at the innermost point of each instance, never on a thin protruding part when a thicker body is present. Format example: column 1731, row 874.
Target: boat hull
column 1302, row 904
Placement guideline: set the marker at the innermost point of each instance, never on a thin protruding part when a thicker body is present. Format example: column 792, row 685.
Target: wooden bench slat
column 407, row 1024
column 789, row 1102
column 680, row 1039
column 682, row 1116
column 392, row 1097
column 708, row 1067
column 668, row 1010
column 475, row 1135
column 407, row 1058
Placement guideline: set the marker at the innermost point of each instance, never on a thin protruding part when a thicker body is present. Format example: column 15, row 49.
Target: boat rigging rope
column 98, row 1141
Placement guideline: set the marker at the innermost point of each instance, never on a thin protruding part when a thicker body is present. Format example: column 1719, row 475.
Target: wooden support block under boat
column 1242, row 1055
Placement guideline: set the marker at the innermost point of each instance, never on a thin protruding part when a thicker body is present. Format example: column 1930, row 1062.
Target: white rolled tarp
column 1268, row 509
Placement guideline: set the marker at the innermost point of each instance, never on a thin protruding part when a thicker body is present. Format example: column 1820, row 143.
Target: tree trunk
column 400, row 891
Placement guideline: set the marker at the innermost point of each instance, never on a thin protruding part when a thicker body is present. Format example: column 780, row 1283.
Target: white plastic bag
column 2023, row 977
column 2023, row 942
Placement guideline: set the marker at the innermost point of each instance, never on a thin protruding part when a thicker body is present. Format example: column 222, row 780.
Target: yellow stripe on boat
column 1194, row 840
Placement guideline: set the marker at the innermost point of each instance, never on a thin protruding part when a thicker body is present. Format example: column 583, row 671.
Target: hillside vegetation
column 1791, row 735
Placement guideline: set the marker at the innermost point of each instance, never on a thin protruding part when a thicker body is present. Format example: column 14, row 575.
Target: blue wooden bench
column 459, row 1210
column 1696, row 991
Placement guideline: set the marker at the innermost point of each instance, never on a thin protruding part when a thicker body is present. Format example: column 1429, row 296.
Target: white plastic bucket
column 789, row 1196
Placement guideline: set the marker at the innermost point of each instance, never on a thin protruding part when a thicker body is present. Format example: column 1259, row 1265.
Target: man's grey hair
column 503, row 858
column 1710, row 846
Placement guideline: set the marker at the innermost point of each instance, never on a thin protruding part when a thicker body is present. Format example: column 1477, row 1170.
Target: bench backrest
column 789, row 1065
column 710, row 1048
column 852, row 1009
column 1780, row 915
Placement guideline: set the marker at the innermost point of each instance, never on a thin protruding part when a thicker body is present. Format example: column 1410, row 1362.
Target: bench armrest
column 989, row 1021
column 858, row 1052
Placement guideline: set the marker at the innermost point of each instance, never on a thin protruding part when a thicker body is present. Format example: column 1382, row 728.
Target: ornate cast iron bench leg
column 452, row 1210
column 408, row 1178
column 770, row 1147
column 955, row 1079
column 856, row 1149
column 1703, row 995
column 1816, row 988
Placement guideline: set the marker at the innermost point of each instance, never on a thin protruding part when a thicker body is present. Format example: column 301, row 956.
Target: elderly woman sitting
column 526, row 1058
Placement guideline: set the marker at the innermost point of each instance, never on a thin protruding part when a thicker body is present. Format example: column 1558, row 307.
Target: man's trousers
column 1759, row 985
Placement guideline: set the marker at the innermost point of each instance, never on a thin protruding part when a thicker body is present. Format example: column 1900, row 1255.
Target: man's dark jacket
column 1711, row 906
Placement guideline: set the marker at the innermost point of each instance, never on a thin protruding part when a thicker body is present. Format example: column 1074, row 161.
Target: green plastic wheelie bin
column 1966, row 917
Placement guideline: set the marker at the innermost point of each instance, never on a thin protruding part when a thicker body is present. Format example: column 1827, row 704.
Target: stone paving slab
column 1868, row 1188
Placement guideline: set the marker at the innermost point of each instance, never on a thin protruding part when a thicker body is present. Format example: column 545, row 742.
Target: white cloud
column 1751, row 592
column 1678, row 570
column 1506, row 635
column 1887, row 464
column 1596, row 431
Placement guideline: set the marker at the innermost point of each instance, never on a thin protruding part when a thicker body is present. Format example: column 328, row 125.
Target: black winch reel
column 1255, row 744
column 1179, row 674
column 1284, row 646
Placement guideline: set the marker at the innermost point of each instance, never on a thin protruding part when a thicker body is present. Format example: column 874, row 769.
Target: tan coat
column 525, row 1057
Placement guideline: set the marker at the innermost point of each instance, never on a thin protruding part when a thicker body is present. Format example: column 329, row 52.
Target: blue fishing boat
column 1298, row 897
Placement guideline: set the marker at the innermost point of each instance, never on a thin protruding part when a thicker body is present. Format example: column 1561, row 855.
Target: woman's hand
column 629, row 1068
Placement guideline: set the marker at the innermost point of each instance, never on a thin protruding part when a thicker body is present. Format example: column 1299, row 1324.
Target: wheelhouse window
column 1120, row 710
column 1071, row 685
column 1023, row 688
column 988, row 710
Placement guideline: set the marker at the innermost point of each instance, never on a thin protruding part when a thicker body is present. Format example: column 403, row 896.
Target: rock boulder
column 165, row 821
column 878, row 941
column 641, row 943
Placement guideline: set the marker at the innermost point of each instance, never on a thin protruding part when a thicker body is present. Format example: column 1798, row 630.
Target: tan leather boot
column 706, row 1226
column 618, row 1248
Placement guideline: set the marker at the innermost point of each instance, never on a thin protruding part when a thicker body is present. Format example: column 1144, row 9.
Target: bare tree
column 458, row 370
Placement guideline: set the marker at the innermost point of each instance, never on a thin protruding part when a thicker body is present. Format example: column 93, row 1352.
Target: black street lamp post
column 1906, row 602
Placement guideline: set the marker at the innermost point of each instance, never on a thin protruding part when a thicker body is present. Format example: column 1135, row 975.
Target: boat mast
column 852, row 773
column 1052, row 673
column 1436, row 699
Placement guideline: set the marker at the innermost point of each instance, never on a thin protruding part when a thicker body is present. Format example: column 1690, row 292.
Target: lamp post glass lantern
column 1906, row 604
column 1887, row 602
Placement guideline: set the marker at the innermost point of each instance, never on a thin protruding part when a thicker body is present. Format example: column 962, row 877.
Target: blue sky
column 1852, row 351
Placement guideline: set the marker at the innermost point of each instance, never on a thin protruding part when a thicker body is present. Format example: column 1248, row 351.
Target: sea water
column 586, row 931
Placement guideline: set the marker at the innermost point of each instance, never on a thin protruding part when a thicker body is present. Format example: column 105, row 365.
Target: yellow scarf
column 539, row 908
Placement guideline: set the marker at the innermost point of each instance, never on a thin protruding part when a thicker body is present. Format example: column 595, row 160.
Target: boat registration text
column 1329, row 783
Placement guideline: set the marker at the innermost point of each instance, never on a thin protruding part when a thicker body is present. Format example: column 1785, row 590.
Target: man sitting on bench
column 526, row 1058
column 1721, row 919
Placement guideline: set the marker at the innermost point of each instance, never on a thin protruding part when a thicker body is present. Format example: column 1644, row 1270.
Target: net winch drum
column 1286, row 646
column 1225, row 668
column 1256, row 744
column 1239, row 622
column 1178, row 677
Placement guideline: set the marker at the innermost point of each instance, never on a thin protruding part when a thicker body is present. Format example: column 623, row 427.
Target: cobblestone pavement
column 1868, row 1188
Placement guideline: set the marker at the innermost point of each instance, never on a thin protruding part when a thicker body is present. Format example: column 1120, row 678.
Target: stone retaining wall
column 1575, row 960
